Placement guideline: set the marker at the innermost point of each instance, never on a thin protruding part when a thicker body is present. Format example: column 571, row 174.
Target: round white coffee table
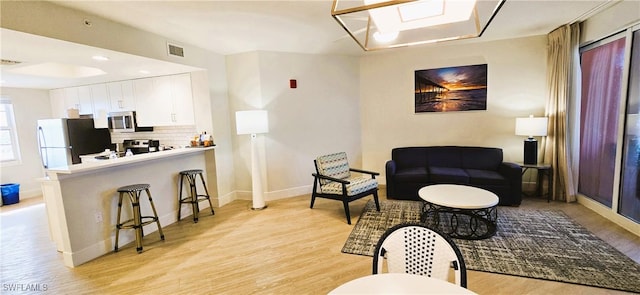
column 470, row 213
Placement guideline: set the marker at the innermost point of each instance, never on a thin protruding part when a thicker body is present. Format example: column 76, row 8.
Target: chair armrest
column 330, row 178
column 363, row 171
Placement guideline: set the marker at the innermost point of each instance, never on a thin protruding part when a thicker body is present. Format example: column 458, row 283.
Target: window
column 630, row 188
column 9, row 149
column 602, row 75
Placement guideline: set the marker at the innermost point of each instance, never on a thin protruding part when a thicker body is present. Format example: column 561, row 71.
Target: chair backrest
column 416, row 249
column 334, row 165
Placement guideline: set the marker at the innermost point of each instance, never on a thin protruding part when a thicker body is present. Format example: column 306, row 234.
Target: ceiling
column 230, row 27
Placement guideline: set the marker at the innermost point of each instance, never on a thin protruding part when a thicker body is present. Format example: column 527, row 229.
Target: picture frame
column 451, row 89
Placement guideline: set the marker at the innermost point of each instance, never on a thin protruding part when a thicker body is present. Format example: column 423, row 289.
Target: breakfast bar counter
column 82, row 200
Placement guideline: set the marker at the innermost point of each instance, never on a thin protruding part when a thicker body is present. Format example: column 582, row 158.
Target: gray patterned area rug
column 541, row 244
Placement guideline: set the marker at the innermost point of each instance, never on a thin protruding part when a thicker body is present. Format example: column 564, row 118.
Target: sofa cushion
column 445, row 156
column 448, row 175
column 415, row 174
column 481, row 158
column 409, row 157
column 486, row 177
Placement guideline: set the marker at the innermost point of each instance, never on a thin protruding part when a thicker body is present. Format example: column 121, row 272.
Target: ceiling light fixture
column 385, row 37
column 100, row 58
column 413, row 22
column 58, row 70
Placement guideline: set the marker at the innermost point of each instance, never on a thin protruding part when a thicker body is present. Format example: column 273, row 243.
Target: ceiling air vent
column 175, row 50
column 6, row 62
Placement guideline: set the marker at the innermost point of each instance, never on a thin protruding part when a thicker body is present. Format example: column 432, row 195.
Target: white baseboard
column 75, row 258
column 288, row 193
column 224, row 199
column 276, row 195
column 608, row 213
column 34, row 193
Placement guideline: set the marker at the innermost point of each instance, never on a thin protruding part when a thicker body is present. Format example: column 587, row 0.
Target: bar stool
column 193, row 198
column 138, row 221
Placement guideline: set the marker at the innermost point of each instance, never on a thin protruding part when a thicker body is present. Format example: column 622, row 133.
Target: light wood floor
column 285, row 249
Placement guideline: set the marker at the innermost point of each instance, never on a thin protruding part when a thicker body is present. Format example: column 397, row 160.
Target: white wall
column 320, row 116
column 610, row 21
column 29, row 105
column 516, row 88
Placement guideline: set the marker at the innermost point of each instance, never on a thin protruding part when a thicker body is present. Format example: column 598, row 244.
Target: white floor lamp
column 254, row 122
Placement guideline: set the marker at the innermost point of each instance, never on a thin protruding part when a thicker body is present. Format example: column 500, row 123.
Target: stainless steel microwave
column 125, row 122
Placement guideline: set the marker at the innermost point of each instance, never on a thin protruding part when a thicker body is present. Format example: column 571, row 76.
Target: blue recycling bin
column 10, row 193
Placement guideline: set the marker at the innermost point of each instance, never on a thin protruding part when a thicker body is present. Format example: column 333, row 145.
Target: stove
column 141, row 146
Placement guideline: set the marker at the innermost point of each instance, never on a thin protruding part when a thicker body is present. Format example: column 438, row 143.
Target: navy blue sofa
column 412, row 168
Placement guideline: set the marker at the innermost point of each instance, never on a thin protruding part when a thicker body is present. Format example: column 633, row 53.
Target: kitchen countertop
column 92, row 166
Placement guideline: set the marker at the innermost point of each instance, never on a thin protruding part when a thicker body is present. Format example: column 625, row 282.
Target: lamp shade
column 531, row 126
column 252, row 122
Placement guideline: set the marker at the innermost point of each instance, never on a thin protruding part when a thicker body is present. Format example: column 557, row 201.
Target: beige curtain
column 563, row 83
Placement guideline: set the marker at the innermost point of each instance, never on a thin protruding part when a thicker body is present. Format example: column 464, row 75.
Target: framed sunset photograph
column 452, row 89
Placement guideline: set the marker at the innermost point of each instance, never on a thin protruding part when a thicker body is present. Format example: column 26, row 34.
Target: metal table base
column 467, row 224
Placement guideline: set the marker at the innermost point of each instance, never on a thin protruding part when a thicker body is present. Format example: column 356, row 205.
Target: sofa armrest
column 390, row 167
column 390, row 171
column 513, row 173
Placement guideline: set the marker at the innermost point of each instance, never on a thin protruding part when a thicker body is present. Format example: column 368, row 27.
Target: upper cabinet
column 71, row 98
column 101, row 105
column 158, row 101
column 121, row 96
column 164, row 101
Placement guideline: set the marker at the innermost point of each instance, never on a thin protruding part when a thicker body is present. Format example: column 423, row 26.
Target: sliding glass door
column 630, row 187
column 602, row 71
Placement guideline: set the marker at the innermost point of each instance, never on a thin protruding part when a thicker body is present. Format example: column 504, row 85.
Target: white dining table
column 398, row 283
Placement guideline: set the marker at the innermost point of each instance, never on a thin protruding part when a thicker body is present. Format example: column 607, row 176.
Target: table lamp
column 531, row 126
column 254, row 122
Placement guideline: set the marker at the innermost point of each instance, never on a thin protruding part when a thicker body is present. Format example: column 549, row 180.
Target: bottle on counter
column 203, row 137
column 113, row 155
column 195, row 141
column 128, row 153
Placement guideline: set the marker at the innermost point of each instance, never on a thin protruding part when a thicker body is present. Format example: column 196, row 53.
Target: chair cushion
column 358, row 185
column 485, row 177
column 416, row 174
column 333, row 165
column 448, row 175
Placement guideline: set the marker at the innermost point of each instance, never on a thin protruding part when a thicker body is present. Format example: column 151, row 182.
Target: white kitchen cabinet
column 58, row 107
column 182, row 100
column 70, row 98
column 149, row 109
column 79, row 98
column 164, row 101
column 121, row 96
column 101, row 105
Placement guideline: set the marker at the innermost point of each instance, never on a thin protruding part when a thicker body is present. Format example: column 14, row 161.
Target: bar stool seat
column 138, row 221
column 193, row 197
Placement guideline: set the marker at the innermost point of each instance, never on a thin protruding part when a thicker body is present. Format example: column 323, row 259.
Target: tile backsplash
column 174, row 136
